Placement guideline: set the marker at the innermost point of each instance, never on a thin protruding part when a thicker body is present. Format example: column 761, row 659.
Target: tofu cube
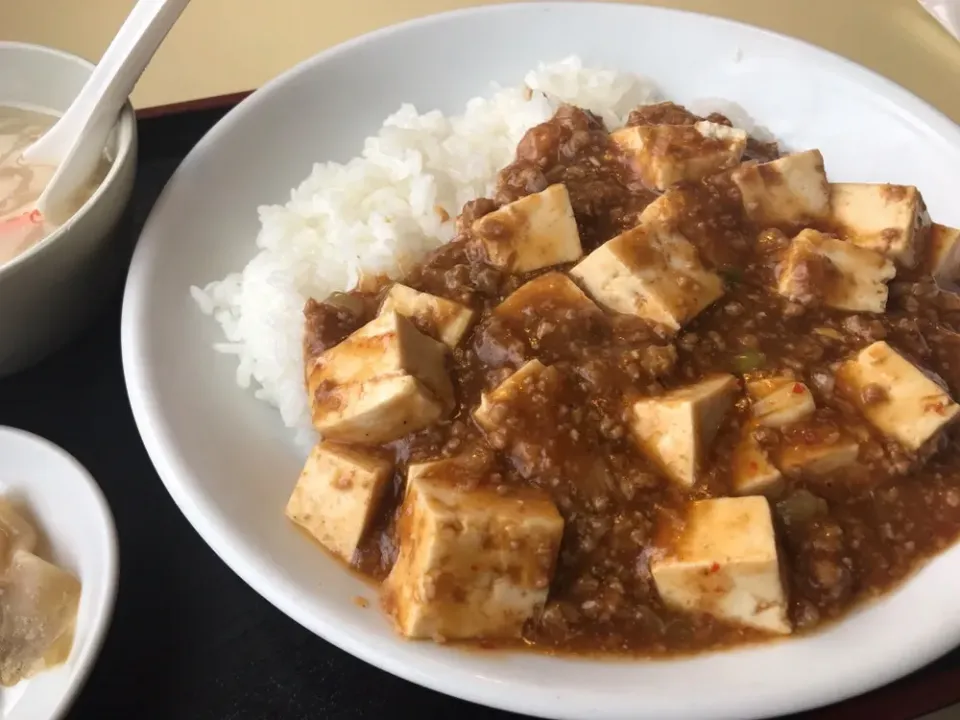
column 38, row 611
column 441, row 319
column 652, row 272
column 675, row 429
column 821, row 269
column 889, row 219
column 729, row 136
column 548, row 292
column 663, row 155
column 780, row 401
column 671, row 209
column 545, row 316
column 818, row 458
column 791, row 191
column 723, row 562
column 943, row 255
column 526, row 417
column 469, row 467
column 534, row 232
column 471, row 563
column 751, row 472
column 16, row 533
column 338, row 494
column 384, row 381
column 532, row 374
column 701, row 215
column 895, row 396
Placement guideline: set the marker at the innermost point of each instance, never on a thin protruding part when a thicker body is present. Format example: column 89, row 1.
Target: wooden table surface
column 226, row 46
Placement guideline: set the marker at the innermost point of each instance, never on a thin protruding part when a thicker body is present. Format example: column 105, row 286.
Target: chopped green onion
column 828, row 332
column 748, row 361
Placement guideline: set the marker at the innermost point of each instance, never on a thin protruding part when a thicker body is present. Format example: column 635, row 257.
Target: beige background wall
column 202, row 58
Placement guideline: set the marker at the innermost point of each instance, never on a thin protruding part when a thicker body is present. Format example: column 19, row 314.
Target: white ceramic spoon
column 75, row 143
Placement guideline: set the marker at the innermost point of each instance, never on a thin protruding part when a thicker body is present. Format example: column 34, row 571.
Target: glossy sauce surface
column 846, row 536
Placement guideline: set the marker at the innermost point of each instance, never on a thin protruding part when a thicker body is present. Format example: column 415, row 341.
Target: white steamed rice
column 378, row 212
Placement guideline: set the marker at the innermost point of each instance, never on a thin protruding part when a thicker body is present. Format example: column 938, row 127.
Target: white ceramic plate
column 230, row 465
column 75, row 521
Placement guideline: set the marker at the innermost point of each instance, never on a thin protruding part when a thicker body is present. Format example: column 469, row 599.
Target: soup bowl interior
column 230, row 464
column 50, row 291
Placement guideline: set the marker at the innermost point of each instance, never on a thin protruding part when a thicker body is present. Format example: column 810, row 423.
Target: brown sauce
column 846, row 537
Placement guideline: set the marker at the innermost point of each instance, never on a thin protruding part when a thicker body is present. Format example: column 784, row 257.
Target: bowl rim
column 126, row 128
column 105, row 602
column 261, row 575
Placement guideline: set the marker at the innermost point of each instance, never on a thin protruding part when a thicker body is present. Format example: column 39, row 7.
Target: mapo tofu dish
column 669, row 389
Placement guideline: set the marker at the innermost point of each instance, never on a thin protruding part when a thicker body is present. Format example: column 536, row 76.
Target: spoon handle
column 76, row 141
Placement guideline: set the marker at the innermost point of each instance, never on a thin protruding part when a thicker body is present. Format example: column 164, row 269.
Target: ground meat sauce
column 845, row 537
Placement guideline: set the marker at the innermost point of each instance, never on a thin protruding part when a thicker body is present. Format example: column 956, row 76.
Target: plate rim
column 265, row 579
column 111, row 559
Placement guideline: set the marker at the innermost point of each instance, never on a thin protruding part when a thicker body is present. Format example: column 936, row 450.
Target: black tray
column 189, row 639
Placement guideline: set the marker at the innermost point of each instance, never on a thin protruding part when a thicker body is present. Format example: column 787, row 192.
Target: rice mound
column 380, row 212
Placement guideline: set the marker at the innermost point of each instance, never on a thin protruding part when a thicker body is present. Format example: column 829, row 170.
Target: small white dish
column 75, row 521
column 230, row 465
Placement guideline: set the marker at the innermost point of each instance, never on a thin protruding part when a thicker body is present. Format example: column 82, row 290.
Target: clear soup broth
column 21, row 183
